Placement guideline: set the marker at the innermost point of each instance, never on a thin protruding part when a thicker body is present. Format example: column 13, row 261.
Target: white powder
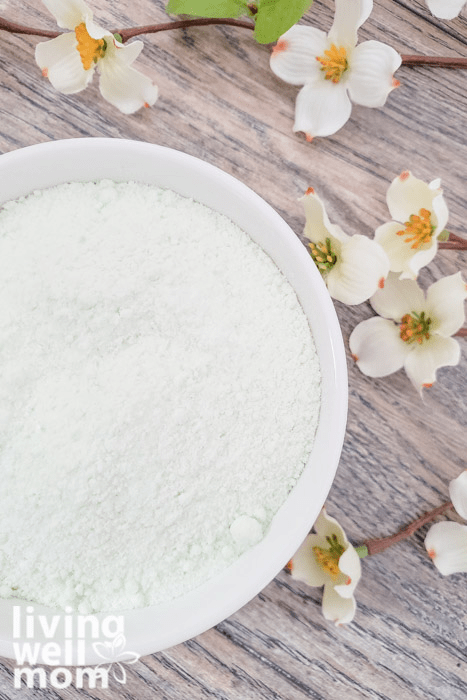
column 159, row 396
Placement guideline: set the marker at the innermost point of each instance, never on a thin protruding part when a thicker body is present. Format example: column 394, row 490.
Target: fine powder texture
column 159, row 397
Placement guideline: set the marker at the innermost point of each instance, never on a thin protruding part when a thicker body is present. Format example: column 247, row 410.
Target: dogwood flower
column 334, row 70
column 446, row 542
column 414, row 332
column 445, row 9
column 328, row 559
column 69, row 60
column 420, row 214
column 353, row 267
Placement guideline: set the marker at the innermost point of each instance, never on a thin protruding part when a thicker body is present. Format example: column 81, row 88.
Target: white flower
column 445, row 9
column 446, row 542
column 418, row 336
column 328, row 559
column 70, row 59
column 353, row 267
column 420, row 214
column 334, row 70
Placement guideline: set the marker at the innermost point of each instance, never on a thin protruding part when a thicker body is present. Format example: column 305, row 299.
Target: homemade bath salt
column 159, row 397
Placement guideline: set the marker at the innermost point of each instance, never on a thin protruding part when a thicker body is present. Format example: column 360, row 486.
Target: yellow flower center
column 328, row 559
column 323, row 255
column 334, row 63
column 414, row 328
column 90, row 50
column 418, row 229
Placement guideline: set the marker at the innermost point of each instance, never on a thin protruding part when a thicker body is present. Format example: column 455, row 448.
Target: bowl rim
column 152, row 629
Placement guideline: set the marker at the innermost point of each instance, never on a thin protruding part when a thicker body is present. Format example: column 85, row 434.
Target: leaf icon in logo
column 114, row 653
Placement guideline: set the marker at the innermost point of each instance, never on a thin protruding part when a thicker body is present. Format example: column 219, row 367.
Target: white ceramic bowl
column 155, row 628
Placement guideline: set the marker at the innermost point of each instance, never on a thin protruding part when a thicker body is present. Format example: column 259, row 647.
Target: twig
column 126, row 34
column 461, row 333
column 407, row 60
column 453, row 243
column 21, row 29
column 379, row 545
column 437, row 61
column 182, row 24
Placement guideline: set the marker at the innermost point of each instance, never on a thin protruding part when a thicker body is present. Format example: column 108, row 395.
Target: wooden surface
column 220, row 101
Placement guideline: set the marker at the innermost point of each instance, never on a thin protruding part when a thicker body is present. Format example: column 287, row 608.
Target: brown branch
column 407, row 60
column 437, row 61
column 379, row 545
column 182, row 24
column 21, row 29
column 133, row 31
column 453, row 243
column 453, row 237
column 461, row 333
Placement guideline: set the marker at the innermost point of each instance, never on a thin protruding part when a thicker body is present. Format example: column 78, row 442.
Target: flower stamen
column 328, row 559
column 90, row 50
column 334, row 63
column 414, row 328
column 323, row 255
column 419, row 229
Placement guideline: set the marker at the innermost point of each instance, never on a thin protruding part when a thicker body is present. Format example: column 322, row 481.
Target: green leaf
column 274, row 17
column 444, row 235
column 208, row 8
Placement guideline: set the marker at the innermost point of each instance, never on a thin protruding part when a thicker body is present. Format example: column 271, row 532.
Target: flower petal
column 68, row 13
column 458, row 493
column 322, row 108
column 396, row 249
column 404, row 259
column 123, row 86
column 326, row 526
column 350, row 565
column 125, row 53
column 62, row 64
column 445, row 304
column 377, row 346
column 440, row 209
column 97, row 32
column 371, row 73
column 446, row 543
column 407, row 194
column 339, row 610
column 424, row 360
column 348, row 17
column 304, row 566
column 361, row 266
column 293, row 59
column 418, row 260
column 317, row 226
column 397, row 298
column 445, row 9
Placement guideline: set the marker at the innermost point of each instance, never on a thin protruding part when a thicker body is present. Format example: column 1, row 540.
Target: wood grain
column 220, row 101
